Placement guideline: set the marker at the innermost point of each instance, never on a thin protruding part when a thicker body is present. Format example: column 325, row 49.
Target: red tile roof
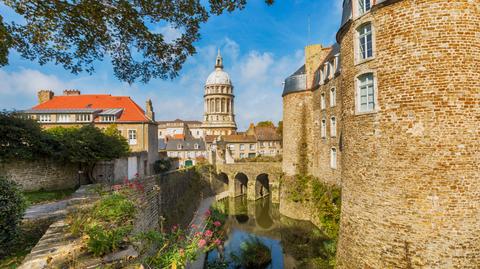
column 131, row 111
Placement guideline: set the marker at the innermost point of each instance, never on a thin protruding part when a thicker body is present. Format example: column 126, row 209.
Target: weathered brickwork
column 409, row 169
column 42, row 174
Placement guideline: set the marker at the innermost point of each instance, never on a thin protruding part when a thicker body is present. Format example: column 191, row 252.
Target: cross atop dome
column 219, row 62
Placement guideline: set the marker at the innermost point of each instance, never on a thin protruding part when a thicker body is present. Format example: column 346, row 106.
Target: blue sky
column 260, row 45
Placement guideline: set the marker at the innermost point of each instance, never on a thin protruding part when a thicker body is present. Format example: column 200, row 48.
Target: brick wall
column 411, row 183
column 174, row 196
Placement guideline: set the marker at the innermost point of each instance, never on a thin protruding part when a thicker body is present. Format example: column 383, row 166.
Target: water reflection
column 293, row 243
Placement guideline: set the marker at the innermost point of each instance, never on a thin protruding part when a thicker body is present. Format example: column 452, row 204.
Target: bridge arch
column 240, row 184
column 223, row 181
column 262, row 186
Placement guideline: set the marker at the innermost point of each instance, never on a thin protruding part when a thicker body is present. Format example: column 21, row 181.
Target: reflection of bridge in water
column 300, row 240
column 255, row 179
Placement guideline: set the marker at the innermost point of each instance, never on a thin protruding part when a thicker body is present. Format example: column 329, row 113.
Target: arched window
column 333, row 158
column 333, row 97
column 366, row 93
column 365, row 41
column 322, row 101
column 333, row 127
column 364, row 6
column 323, row 128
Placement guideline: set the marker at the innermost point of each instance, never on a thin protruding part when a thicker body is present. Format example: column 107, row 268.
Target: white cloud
column 257, row 78
column 169, row 32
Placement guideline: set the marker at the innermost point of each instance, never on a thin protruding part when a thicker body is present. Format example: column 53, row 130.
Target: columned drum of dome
column 219, row 117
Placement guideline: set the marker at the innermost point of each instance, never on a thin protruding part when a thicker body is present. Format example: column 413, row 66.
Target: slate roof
column 296, row 82
column 187, row 144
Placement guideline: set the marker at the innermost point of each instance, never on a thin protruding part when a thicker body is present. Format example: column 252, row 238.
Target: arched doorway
column 241, row 183
column 262, row 187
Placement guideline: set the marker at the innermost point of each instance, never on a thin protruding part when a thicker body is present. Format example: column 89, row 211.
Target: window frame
column 333, row 97
column 323, row 101
column 132, row 141
column 333, row 158
column 333, row 126
column 44, row 118
column 358, row 43
column 358, row 105
column 66, row 118
column 363, row 3
column 323, row 128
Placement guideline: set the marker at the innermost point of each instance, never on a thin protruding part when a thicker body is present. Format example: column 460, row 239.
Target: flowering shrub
column 179, row 246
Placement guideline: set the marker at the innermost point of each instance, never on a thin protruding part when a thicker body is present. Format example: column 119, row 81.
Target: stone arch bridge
column 253, row 179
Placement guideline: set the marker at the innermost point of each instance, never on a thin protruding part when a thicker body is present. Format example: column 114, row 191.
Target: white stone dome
column 218, row 77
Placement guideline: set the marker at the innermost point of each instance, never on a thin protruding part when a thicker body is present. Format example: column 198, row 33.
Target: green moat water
column 293, row 243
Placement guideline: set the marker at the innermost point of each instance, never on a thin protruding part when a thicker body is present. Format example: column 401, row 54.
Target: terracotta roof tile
column 131, row 111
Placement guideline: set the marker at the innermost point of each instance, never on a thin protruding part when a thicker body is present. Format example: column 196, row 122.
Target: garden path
column 54, row 209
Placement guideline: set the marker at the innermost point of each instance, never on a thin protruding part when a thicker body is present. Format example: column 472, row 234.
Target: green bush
column 107, row 224
column 12, row 208
column 162, row 166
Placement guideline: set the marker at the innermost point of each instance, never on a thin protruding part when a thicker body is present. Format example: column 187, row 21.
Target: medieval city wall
column 411, row 182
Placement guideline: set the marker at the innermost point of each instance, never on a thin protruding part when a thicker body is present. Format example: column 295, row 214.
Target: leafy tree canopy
column 280, row 128
column 76, row 33
column 22, row 138
column 265, row 124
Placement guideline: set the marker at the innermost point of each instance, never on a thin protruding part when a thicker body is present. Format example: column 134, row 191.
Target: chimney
column 150, row 114
column 251, row 129
column 71, row 92
column 44, row 96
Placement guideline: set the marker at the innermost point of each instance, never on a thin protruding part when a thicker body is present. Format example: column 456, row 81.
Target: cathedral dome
column 218, row 77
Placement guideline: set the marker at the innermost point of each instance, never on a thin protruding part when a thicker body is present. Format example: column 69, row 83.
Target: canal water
column 292, row 243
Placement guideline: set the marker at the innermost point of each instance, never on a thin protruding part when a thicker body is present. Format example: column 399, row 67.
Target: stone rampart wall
column 42, row 174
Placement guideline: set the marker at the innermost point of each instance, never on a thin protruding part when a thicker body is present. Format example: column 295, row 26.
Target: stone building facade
column 405, row 140
column 72, row 108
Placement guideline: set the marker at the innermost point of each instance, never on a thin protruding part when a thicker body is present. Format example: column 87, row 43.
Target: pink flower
column 208, row 213
column 174, row 228
column 202, row 243
column 117, row 187
column 217, row 223
column 208, row 233
column 218, row 242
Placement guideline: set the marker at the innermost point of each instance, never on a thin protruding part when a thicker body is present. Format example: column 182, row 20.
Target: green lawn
column 27, row 239
column 37, row 197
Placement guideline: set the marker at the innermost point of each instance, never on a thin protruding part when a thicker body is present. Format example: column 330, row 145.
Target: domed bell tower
column 219, row 118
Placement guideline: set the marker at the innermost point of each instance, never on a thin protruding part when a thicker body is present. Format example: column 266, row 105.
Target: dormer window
column 337, row 63
column 364, row 6
column 44, row 118
column 63, row 118
column 327, row 71
column 107, row 118
column 195, row 146
column 83, row 118
column 179, row 146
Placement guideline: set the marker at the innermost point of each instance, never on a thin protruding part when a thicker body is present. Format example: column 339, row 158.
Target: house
column 72, row 108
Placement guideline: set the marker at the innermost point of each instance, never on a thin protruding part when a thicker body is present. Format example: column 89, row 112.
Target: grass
column 29, row 236
column 38, row 197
